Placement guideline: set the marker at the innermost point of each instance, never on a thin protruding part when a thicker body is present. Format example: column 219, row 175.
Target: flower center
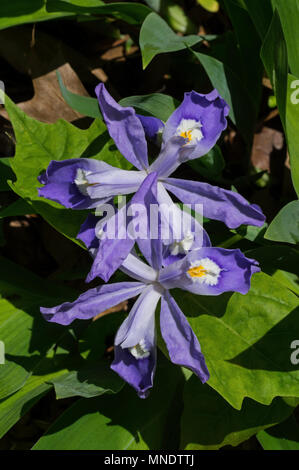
column 140, row 351
column 204, row 271
column 190, row 130
column 82, row 182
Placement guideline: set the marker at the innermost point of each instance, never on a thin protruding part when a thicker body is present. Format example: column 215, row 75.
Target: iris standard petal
column 150, row 243
column 61, row 186
column 136, row 268
column 218, row 203
column 152, row 126
column 180, row 231
column 92, row 302
column 114, row 250
column 169, row 158
column 182, row 344
column 200, row 119
column 211, row 271
column 124, row 127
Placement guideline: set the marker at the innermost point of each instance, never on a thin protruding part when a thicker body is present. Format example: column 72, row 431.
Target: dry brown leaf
column 263, row 144
column 40, row 59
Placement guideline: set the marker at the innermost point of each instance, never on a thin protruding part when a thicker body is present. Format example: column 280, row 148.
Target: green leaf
column 29, row 11
column 156, row 37
column 83, row 104
column 209, row 5
column 261, row 14
column 133, row 13
column 239, row 340
column 90, row 380
column 39, row 143
column 280, row 262
column 274, row 56
column 26, row 335
column 284, row 436
column 289, row 17
column 251, row 67
column 285, row 226
column 209, row 422
column 291, row 128
column 119, row 422
column 155, row 104
column 19, row 207
column 37, row 385
column 210, row 165
column 232, row 89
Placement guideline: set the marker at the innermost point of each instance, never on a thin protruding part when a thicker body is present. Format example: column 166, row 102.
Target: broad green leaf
column 19, row 403
column 90, row 380
column 232, row 89
column 284, row 436
column 211, row 164
column 39, row 143
column 156, row 37
column 92, row 375
column 285, row 226
column 19, row 207
column 26, row 335
column 209, row 422
column 252, row 233
column 280, row 262
column 289, row 17
column 248, row 348
column 26, row 11
column 119, row 422
column 133, row 13
column 27, row 338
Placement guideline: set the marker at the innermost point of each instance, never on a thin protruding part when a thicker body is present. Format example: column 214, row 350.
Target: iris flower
column 190, row 132
column 203, row 271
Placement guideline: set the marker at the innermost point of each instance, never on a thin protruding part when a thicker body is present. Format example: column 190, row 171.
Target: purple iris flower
column 204, row 271
column 190, row 132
